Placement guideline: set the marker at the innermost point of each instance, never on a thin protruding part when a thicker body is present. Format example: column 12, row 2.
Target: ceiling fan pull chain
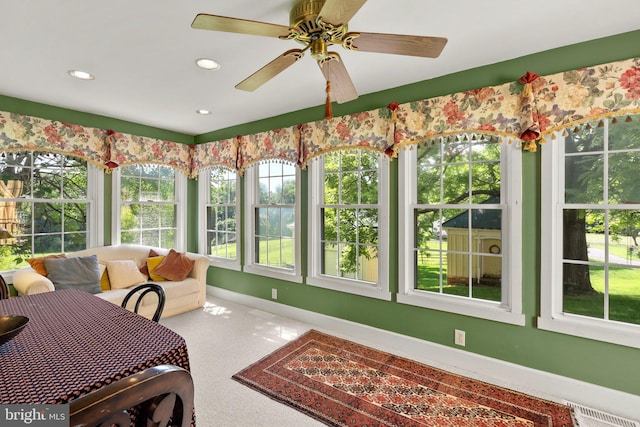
column 328, row 114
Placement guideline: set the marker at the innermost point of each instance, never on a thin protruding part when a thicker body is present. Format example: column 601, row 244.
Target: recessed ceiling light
column 207, row 64
column 203, row 112
column 82, row 75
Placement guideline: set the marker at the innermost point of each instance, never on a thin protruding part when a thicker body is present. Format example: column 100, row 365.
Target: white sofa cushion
column 124, row 273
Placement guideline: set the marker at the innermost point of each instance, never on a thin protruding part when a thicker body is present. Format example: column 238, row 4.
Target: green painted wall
column 592, row 361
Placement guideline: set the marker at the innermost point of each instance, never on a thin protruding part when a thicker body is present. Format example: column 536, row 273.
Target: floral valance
column 281, row 144
column 103, row 148
column 222, row 153
column 368, row 130
column 19, row 132
column 588, row 94
column 526, row 110
column 497, row 110
column 131, row 149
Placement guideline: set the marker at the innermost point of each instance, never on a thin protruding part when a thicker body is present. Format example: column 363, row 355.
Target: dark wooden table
column 75, row 343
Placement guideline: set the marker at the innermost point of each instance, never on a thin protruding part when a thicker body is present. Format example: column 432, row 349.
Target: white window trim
column 95, row 192
column 378, row 290
column 251, row 191
column 181, row 209
column 552, row 317
column 203, row 196
column 511, row 185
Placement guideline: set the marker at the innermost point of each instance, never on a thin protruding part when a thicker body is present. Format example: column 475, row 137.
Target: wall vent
column 589, row 417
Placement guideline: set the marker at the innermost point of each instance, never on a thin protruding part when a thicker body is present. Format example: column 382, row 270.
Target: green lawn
column 270, row 253
column 624, row 296
column 624, row 291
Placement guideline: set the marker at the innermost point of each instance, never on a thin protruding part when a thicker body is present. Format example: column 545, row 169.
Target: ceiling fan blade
column 334, row 71
column 338, row 12
column 204, row 21
column 269, row 71
column 428, row 47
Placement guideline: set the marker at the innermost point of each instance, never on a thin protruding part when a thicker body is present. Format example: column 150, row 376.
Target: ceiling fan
column 317, row 24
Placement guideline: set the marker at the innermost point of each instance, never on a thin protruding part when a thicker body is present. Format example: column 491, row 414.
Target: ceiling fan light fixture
column 208, row 64
column 82, row 75
column 203, row 112
column 318, row 49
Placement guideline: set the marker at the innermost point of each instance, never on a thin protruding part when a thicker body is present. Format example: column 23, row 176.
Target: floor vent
column 588, row 417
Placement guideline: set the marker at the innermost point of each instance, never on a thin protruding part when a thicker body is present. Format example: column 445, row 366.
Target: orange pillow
column 38, row 263
column 175, row 266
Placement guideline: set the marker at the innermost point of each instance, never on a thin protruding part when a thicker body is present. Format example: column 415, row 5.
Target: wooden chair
column 140, row 291
column 162, row 395
column 4, row 289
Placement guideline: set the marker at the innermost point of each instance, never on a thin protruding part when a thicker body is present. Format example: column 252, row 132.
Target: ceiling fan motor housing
column 303, row 15
column 308, row 29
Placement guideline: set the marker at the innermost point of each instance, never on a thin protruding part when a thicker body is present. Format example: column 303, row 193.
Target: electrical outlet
column 274, row 293
column 459, row 338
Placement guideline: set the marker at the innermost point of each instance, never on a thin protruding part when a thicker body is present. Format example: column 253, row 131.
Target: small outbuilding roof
column 485, row 219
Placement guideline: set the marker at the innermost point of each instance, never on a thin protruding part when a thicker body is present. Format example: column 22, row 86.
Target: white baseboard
column 505, row 374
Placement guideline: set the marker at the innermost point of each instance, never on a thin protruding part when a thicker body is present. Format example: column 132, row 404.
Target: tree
column 586, row 159
column 451, row 165
column 349, row 225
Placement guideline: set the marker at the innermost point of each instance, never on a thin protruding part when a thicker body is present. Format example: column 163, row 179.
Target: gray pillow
column 75, row 273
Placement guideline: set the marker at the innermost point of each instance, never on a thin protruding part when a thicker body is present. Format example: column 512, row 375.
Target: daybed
column 181, row 295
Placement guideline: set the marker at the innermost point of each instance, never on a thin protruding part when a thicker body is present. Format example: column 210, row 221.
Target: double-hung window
column 348, row 209
column 459, row 228
column 151, row 207
column 219, row 201
column 272, row 239
column 49, row 203
column 591, row 232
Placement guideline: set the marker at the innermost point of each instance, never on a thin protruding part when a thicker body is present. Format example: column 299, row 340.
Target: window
column 591, row 230
column 218, row 195
column 152, row 203
column 272, row 240
column 349, row 223
column 48, row 203
column 460, row 222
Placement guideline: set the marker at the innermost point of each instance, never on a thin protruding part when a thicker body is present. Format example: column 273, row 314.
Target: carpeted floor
column 342, row 383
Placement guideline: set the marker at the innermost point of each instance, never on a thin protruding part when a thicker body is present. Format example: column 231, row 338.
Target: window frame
column 251, row 200
column 509, row 310
column 180, row 201
column 378, row 290
column 552, row 317
column 204, row 194
column 95, row 204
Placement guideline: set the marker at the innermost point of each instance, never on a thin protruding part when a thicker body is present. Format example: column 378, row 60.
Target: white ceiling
column 142, row 52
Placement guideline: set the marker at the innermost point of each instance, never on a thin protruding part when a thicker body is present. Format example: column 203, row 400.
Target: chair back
column 161, row 395
column 140, row 291
column 4, row 289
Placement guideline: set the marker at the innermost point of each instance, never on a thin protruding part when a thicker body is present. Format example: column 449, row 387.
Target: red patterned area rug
column 341, row 383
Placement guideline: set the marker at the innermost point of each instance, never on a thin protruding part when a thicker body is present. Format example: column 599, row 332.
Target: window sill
column 275, row 273
column 594, row 329
column 481, row 309
column 224, row 263
column 355, row 287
